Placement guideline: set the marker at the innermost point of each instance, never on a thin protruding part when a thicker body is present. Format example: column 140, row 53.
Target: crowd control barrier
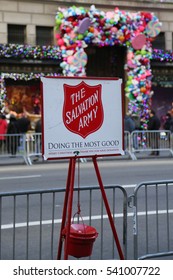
column 142, row 142
column 30, row 221
column 26, row 146
column 14, row 146
column 154, row 142
column 153, row 219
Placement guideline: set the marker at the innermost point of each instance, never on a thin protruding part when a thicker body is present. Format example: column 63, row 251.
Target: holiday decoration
column 139, row 41
column 153, row 28
column 29, row 52
column 78, row 27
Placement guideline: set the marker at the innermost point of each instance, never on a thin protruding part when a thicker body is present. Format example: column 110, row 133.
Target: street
column 53, row 175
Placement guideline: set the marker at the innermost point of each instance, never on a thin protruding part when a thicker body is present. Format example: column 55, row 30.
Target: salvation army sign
column 83, row 109
column 81, row 117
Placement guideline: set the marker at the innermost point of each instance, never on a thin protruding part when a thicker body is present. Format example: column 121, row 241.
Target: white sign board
column 82, row 117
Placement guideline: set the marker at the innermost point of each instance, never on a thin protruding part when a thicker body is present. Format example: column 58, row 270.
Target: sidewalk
column 9, row 160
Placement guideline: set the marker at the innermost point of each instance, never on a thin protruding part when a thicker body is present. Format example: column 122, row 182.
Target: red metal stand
column 108, row 209
column 68, row 201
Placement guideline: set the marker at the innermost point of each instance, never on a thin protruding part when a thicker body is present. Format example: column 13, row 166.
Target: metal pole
column 64, row 212
column 108, row 209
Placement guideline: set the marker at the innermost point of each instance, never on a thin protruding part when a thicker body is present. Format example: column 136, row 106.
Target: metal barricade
column 154, row 141
column 29, row 145
column 153, row 219
column 33, row 146
column 30, row 221
column 128, row 145
column 14, row 146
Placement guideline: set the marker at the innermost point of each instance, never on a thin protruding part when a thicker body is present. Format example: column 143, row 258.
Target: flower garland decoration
column 76, row 28
column 30, row 52
column 54, row 52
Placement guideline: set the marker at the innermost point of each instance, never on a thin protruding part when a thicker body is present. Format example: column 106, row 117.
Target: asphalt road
column 53, row 175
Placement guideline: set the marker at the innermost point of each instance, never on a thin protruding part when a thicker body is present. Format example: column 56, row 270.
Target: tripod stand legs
column 108, row 209
column 67, row 209
column 68, row 201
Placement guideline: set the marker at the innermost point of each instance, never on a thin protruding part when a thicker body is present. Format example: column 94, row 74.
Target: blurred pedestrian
column 168, row 125
column 154, row 125
column 137, row 121
column 38, row 130
column 136, row 135
column 12, row 137
column 23, row 124
column 38, row 127
column 129, row 124
column 129, row 127
column 3, row 129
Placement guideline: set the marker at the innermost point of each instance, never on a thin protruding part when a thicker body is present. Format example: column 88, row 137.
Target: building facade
column 32, row 24
column 33, row 16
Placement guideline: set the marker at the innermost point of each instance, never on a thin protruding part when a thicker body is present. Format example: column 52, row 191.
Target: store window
column 16, row 34
column 159, row 41
column 44, row 35
column 23, row 95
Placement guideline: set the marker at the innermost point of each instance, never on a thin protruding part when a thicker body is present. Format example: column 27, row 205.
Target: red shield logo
column 83, row 109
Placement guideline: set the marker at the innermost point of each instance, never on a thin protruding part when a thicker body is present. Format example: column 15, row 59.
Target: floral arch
column 77, row 27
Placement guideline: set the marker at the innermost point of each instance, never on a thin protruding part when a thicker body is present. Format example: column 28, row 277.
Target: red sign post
column 82, row 117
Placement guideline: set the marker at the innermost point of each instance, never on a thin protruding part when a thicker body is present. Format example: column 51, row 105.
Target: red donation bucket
column 81, row 240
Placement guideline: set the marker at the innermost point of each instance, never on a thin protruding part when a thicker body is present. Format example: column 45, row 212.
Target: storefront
column 21, row 68
column 93, row 43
